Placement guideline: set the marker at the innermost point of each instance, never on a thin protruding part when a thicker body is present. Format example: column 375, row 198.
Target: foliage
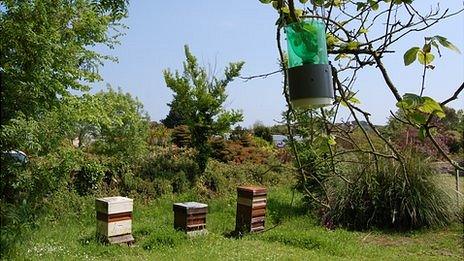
column 109, row 123
column 391, row 198
column 174, row 117
column 241, row 135
column 88, row 179
column 223, row 178
column 159, row 135
column 240, row 151
column 46, row 50
column 424, row 55
column 181, row 136
column 278, row 129
column 123, row 125
column 112, row 138
column 294, row 234
column 200, row 99
column 262, row 132
column 169, row 169
column 447, row 132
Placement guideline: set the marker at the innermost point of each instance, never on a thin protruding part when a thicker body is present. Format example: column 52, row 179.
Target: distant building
column 281, row 140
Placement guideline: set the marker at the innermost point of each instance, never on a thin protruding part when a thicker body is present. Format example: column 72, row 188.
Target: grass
column 291, row 235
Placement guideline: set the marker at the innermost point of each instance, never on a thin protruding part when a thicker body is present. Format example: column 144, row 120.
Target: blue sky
column 219, row 32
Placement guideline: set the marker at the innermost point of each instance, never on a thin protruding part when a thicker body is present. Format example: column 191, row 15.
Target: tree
column 200, row 98
column 359, row 35
column 262, row 131
column 46, row 50
column 110, row 123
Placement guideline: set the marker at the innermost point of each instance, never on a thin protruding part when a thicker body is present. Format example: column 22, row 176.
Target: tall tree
column 200, row 98
column 46, row 50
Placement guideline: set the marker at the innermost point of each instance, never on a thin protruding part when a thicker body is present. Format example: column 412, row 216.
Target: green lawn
column 290, row 235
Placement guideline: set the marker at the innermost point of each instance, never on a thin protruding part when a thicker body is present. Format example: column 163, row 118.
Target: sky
column 219, row 32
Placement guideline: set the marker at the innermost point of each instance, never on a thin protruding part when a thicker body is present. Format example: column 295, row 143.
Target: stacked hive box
column 114, row 219
column 251, row 209
column 190, row 217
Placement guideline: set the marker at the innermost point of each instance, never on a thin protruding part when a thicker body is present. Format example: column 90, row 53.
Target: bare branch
column 264, row 75
column 454, row 97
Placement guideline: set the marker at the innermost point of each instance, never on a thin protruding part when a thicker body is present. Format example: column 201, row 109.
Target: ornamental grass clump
column 391, row 197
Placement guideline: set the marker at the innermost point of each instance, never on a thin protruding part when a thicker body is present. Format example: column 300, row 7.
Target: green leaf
column 331, row 140
column 418, row 117
column 265, row 1
column 427, row 48
column 410, row 101
column 352, row 45
column 373, row 4
column 434, row 43
column 318, row 2
column 341, row 56
column 360, row 5
column 298, row 12
column 425, row 58
column 445, row 43
column 275, row 4
column 303, row 1
column 430, row 106
column 410, row 55
column 422, row 133
column 352, row 99
column 337, row 3
column 363, row 30
column 285, row 10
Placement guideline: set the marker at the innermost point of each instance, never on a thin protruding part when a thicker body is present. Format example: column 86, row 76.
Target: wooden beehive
column 251, row 209
column 114, row 219
column 190, row 217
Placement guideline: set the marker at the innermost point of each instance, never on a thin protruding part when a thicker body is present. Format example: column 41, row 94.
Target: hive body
column 251, row 209
column 190, row 217
column 114, row 219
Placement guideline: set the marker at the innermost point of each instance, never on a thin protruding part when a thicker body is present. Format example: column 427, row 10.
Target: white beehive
column 114, row 219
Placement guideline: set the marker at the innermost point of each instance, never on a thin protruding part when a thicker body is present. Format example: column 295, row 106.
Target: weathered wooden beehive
column 190, row 217
column 251, row 209
column 114, row 219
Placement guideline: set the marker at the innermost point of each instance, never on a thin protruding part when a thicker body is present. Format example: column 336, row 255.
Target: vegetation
column 45, row 50
column 353, row 182
column 378, row 180
column 291, row 234
column 389, row 199
column 200, row 100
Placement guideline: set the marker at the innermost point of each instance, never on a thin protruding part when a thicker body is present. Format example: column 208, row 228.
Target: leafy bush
column 263, row 132
column 181, row 136
column 249, row 149
column 172, row 167
column 89, row 177
column 222, row 178
column 159, row 135
column 390, row 198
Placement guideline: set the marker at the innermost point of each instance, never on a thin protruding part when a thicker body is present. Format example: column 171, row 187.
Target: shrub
column 254, row 150
column 172, row 167
column 390, row 198
column 181, row 136
column 89, row 177
column 159, row 135
column 263, row 132
column 222, row 178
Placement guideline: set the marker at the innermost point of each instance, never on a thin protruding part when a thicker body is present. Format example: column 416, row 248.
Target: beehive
column 114, row 219
column 251, row 209
column 190, row 217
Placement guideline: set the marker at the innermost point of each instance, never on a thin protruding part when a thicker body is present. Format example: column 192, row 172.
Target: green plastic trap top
column 306, row 43
column 309, row 72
